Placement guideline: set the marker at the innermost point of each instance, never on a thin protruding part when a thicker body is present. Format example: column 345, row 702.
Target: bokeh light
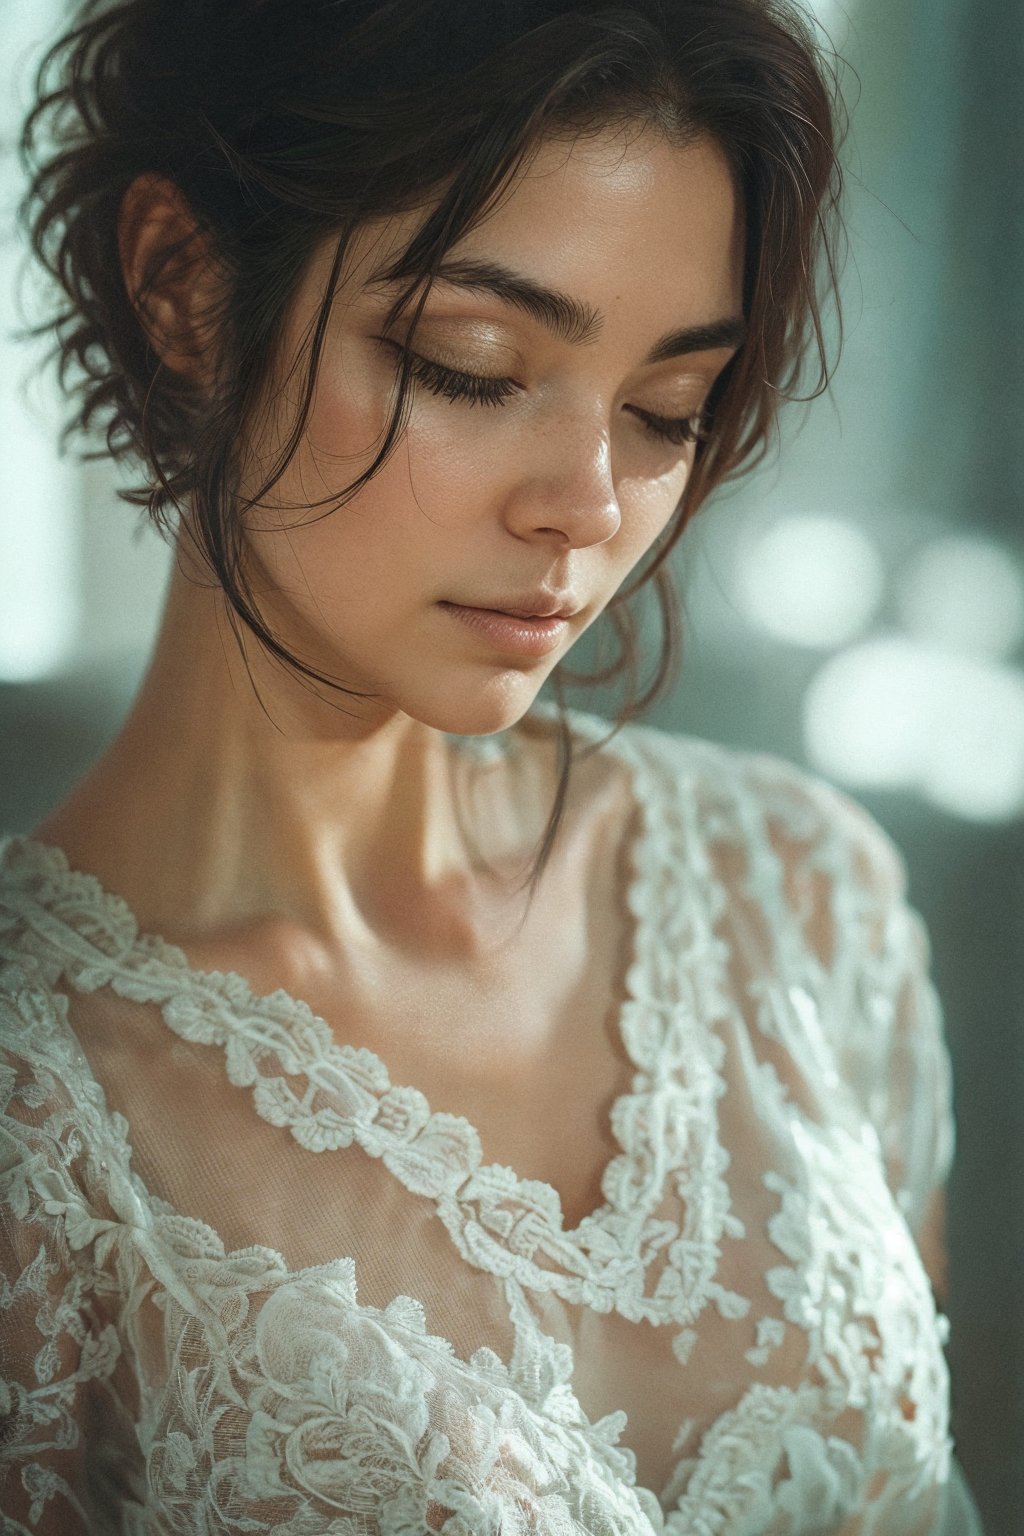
column 966, row 593
column 898, row 714
column 813, row 581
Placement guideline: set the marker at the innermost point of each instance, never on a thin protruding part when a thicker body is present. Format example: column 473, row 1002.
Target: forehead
column 617, row 217
column 619, row 211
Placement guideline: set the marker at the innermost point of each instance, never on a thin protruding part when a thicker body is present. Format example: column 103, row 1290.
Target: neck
column 234, row 794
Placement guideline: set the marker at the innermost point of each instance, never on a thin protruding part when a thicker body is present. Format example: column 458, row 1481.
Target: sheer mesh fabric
column 251, row 1283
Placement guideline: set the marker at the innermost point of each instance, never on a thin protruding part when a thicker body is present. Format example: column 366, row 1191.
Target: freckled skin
column 318, row 846
column 561, row 485
column 233, row 791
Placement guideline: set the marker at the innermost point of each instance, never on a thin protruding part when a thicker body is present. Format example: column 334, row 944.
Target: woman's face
column 547, row 489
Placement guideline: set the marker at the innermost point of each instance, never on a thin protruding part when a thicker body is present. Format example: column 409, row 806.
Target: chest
column 528, row 1051
column 833, row 1322
column 516, row 1032
column 827, row 1325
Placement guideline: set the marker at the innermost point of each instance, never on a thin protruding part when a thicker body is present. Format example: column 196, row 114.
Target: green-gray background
column 919, row 441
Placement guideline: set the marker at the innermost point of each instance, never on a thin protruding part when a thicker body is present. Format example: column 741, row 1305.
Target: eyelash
column 453, row 384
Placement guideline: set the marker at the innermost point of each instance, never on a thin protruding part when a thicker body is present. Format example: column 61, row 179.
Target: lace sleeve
column 58, row 1350
column 864, row 952
column 886, row 1016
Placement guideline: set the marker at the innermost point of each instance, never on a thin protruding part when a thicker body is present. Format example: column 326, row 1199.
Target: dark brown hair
column 285, row 122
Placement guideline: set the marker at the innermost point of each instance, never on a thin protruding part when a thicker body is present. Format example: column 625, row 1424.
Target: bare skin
column 321, row 849
column 215, row 807
column 206, row 814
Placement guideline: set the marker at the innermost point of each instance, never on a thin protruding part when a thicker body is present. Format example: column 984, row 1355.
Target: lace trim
column 499, row 1222
column 197, row 1274
column 214, row 1283
column 761, row 1466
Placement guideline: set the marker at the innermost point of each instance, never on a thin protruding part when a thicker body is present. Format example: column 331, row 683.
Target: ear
column 169, row 274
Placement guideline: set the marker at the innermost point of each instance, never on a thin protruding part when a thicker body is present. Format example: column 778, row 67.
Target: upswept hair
column 288, row 122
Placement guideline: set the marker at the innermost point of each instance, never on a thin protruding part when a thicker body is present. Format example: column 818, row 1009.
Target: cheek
column 458, row 461
column 436, row 475
column 467, row 466
column 340, row 438
column 649, row 505
column 330, row 559
column 346, row 424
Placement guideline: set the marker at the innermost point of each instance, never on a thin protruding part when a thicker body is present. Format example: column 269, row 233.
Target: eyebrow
column 570, row 319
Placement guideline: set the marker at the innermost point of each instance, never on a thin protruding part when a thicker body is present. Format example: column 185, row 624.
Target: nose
column 565, row 488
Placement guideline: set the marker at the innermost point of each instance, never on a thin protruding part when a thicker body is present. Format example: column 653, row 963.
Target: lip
column 541, row 604
column 511, row 633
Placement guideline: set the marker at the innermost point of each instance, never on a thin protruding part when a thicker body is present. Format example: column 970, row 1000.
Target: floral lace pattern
column 343, row 1094
column 237, row 1394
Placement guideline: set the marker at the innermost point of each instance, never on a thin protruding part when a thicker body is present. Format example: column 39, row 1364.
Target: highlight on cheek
column 675, row 982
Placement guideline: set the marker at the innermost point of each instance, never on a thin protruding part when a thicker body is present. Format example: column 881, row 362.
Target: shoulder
column 32, row 1009
column 37, row 1044
column 41, row 1059
column 64, row 1156
column 749, row 799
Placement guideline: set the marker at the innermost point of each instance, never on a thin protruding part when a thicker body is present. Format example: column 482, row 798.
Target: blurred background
column 857, row 607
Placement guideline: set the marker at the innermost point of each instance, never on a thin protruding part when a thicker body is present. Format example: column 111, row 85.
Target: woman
column 424, row 1109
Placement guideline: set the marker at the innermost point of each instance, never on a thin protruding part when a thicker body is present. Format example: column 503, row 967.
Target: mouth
column 519, row 613
column 538, row 606
column 512, row 632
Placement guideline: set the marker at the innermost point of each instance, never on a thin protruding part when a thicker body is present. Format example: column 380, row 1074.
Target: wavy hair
column 288, row 122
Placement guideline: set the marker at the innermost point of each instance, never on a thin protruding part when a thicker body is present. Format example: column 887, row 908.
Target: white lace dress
column 248, row 1284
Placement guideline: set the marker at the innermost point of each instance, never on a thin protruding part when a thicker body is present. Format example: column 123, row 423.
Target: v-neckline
column 443, row 1157
column 89, row 936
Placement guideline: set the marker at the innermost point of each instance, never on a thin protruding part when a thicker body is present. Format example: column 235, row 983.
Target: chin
column 484, row 710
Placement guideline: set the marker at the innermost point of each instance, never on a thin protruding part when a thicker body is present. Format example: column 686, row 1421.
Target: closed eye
column 452, row 383
column 481, row 389
column 676, row 429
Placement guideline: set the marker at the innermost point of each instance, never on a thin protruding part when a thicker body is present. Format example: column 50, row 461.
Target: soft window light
column 966, row 593
column 813, row 581
column 894, row 713
column 38, row 565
